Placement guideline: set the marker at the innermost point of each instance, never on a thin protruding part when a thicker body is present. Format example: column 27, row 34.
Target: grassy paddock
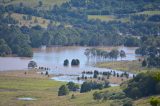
column 107, row 18
column 150, row 12
column 42, row 89
column 144, row 101
column 129, row 66
column 102, row 17
column 40, row 21
column 45, row 91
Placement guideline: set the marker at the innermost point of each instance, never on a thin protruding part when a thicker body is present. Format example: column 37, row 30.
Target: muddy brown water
column 53, row 58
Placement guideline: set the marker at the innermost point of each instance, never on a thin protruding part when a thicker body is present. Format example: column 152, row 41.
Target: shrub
column 72, row 86
column 97, row 96
column 73, row 96
column 63, row 90
column 85, row 87
column 127, row 102
column 154, row 101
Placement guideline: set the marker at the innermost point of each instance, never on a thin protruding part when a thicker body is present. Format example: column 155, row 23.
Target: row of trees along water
column 102, row 55
column 103, row 76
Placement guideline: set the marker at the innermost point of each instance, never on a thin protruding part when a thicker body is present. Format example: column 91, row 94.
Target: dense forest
column 75, row 28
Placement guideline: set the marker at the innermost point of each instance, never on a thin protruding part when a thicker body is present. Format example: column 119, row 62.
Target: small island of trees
column 75, row 62
column 32, row 64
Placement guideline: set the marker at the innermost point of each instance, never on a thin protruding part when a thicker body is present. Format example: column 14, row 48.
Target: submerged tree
column 66, row 62
column 122, row 54
column 32, row 64
column 75, row 62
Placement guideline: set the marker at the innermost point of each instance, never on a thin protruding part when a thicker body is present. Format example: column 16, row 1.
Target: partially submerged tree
column 66, row 62
column 32, row 64
column 75, row 62
column 122, row 54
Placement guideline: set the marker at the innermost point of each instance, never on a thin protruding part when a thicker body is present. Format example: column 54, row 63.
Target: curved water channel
column 53, row 58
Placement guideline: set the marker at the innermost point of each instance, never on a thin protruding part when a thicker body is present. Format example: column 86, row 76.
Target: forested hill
column 75, row 22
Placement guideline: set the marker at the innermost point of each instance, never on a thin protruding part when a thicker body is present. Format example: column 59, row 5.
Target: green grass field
column 102, row 17
column 150, row 12
column 40, row 21
column 107, row 18
column 45, row 91
column 129, row 66
column 113, row 18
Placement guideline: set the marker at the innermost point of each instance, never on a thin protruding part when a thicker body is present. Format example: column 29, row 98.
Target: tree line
column 102, row 54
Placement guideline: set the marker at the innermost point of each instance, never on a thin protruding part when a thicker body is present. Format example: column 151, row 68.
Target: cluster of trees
column 75, row 13
column 13, row 41
column 145, row 17
column 101, row 54
column 104, row 96
column 105, row 7
column 144, row 84
column 74, row 62
column 103, row 76
column 82, row 31
column 108, row 74
column 64, row 89
column 88, row 86
column 132, row 42
column 155, row 18
column 150, row 50
column 85, row 87
column 4, row 48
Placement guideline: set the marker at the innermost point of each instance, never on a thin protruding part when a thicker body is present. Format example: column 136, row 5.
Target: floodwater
column 53, row 58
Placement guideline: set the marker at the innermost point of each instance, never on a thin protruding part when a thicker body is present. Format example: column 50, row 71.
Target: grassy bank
column 129, row 66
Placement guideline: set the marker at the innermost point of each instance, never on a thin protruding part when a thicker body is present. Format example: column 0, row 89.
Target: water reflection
column 53, row 58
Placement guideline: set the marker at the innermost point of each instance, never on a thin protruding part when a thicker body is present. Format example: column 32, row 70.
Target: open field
column 113, row 18
column 33, row 22
column 144, row 101
column 129, row 66
column 13, row 86
column 102, row 17
column 107, row 18
column 150, row 12
column 46, row 4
